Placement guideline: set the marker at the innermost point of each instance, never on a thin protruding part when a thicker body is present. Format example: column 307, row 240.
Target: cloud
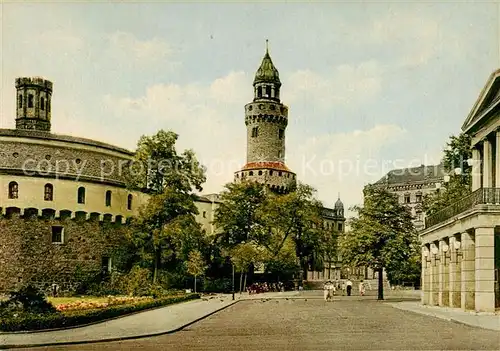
column 345, row 162
column 127, row 45
column 345, row 84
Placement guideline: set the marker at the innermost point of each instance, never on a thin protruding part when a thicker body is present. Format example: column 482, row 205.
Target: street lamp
column 232, row 263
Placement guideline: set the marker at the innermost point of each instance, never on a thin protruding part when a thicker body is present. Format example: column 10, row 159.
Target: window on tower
column 268, row 91
column 20, row 100
column 255, row 132
column 259, row 91
column 281, row 133
column 42, row 104
column 30, row 100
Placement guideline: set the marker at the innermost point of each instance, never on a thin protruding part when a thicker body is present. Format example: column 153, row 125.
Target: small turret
column 33, row 108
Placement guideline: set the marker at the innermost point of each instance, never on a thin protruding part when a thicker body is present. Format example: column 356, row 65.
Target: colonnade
column 459, row 270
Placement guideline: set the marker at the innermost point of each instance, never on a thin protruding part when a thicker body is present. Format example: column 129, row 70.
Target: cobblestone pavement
column 312, row 324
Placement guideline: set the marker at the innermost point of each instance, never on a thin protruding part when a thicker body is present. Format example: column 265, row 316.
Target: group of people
column 330, row 288
column 256, row 288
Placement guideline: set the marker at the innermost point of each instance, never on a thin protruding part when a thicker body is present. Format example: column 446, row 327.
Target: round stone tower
column 33, row 106
column 266, row 119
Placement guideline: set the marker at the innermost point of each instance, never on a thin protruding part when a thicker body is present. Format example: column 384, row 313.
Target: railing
column 480, row 196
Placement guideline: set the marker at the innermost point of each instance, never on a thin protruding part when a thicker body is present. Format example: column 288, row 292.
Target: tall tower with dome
column 266, row 119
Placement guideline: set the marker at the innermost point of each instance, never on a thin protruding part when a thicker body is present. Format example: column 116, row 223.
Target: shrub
column 217, row 285
column 27, row 299
column 31, row 321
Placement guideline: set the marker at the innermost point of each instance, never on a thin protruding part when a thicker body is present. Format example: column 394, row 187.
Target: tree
column 170, row 179
column 237, row 214
column 382, row 236
column 455, row 162
column 195, row 265
column 243, row 256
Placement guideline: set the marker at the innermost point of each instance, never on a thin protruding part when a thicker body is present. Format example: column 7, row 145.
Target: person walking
column 348, row 285
column 361, row 288
column 325, row 291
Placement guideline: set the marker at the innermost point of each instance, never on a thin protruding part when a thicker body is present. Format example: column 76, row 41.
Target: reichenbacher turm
column 266, row 119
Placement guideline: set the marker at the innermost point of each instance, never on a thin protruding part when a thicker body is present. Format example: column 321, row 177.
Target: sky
column 370, row 86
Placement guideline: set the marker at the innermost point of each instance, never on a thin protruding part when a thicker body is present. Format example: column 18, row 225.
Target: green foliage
column 382, row 236
column 217, row 285
column 170, row 178
column 137, row 282
column 245, row 254
column 157, row 165
column 195, row 263
column 281, row 231
column 237, row 215
column 456, row 154
column 27, row 299
column 31, row 321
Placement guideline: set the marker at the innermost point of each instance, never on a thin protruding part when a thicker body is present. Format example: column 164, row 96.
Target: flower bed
column 111, row 301
column 75, row 317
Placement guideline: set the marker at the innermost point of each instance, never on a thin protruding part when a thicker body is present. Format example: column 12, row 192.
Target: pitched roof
column 419, row 174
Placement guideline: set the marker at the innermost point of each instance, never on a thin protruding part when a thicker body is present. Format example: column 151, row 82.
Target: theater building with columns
column 461, row 243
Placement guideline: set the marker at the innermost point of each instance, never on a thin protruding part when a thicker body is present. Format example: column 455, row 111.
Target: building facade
column 461, row 243
column 411, row 185
column 64, row 203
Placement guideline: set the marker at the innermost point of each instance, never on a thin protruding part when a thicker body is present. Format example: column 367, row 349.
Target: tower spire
column 267, row 46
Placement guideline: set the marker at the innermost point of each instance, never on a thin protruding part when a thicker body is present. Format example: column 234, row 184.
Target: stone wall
column 269, row 117
column 27, row 253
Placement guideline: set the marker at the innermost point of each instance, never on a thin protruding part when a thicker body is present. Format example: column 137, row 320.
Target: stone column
column 444, row 280
column 468, row 271
column 476, row 169
column 425, row 276
column 434, row 279
column 487, row 164
column 485, row 269
column 454, row 273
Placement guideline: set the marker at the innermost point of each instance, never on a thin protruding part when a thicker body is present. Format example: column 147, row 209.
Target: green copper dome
column 267, row 73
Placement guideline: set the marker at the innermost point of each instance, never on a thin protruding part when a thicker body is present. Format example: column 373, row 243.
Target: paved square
column 312, row 324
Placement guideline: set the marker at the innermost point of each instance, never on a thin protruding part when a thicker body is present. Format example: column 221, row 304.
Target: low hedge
column 25, row 321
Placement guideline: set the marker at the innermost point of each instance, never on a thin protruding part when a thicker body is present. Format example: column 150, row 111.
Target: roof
column 18, row 133
column 280, row 166
column 267, row 72
column 419, row 174
column 488, row 99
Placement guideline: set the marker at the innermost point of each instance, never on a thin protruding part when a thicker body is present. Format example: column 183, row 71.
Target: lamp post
column 233, row 278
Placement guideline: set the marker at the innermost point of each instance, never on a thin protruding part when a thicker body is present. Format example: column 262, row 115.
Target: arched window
column 81, row 195
column 108, row 198
column 250, row 173
column 13, row 190
column 42, row 103
column 255, row 132
column 268, row 91
column 129, row 202
column 48, row 192
column 20, row 100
